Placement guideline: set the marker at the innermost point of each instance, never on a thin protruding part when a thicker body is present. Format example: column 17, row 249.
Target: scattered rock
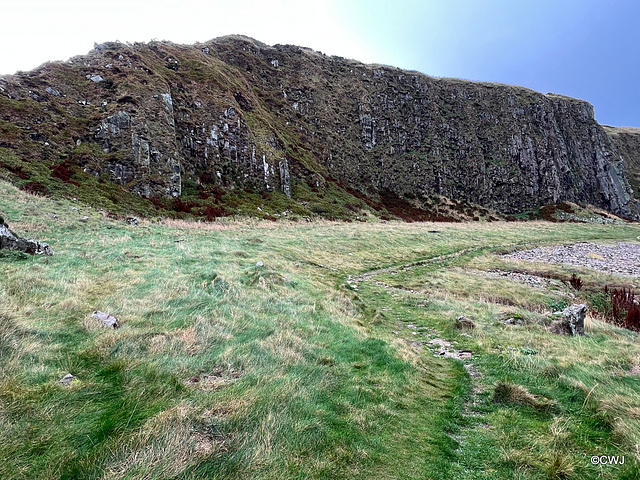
column 96, row 78
column 571, row 322
column 526, row 278
column 464, row 322
column 68, row 380
column 457, row 354
column 52, row 91
column 106, row 319
column 621, row 259
column 11, row 241
column 511, row 318
column 439, row 341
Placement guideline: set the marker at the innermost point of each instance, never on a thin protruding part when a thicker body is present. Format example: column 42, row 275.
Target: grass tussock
column 510, row 394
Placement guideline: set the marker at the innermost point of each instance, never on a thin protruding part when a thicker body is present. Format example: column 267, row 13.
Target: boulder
column 11, row 241
column 571, row 321
column 464, row 322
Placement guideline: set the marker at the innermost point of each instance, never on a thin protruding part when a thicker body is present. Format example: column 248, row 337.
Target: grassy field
column 261, row 350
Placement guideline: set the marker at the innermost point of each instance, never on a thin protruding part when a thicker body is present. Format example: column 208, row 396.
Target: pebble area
column 620, row 259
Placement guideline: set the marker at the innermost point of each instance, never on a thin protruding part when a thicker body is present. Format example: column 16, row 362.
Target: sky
column 589, row 49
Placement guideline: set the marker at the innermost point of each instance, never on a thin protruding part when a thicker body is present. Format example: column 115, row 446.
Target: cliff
column 219, row 123
column 627, row 142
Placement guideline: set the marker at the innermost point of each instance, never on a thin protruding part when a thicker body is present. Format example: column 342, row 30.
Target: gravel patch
column 528, row 279
column 621, row 259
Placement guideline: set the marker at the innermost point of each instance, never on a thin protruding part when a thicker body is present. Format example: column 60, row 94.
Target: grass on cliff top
column 227, row 368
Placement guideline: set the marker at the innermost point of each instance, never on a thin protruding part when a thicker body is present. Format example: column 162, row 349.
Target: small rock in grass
column 464, row 322
column 67, row 380
column 106, row 319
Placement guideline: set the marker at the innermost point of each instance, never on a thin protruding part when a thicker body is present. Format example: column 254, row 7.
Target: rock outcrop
column 571, row 321
column 11, row 241
column 236, row 114
column 627, row 142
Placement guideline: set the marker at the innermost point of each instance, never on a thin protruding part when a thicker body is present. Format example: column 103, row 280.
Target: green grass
column 225, row 369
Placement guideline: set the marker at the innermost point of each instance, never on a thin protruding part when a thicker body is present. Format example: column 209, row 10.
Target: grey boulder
column 11, row 241
column 571, row 321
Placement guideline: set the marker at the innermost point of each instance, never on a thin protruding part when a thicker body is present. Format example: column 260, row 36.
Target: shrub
column 36, row 188
column 576, row 282
column 624, row 309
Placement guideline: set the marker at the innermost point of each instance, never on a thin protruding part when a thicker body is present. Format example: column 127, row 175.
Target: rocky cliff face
column 627, row 142
column 233, row 114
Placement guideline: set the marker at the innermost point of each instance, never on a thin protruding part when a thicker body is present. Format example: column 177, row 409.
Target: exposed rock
column 52, row 91
column 457, row 354
column 11, row 241
column 513, row 321
column 571, row 322
column 271, row 118
column 464, row 322
column 106, row 319
column 68, row 380
column 627, row 142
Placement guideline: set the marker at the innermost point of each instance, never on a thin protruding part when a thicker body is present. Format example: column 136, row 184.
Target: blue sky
column 586, row 49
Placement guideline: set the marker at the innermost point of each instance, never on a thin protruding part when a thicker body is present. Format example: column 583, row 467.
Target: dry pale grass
column 288, row 346
column 183, row 341
column 163, row 447
column 511, row 394
column 221, row 224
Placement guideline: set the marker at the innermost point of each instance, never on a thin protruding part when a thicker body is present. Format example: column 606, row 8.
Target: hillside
column 260, row 350
column 233, row 126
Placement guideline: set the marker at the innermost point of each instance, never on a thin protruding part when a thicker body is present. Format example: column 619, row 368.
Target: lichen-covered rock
column 68, row 380
column 571, row 322
column 11, row 241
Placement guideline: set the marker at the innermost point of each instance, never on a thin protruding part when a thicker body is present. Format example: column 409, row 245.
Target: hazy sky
column 588, row 49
